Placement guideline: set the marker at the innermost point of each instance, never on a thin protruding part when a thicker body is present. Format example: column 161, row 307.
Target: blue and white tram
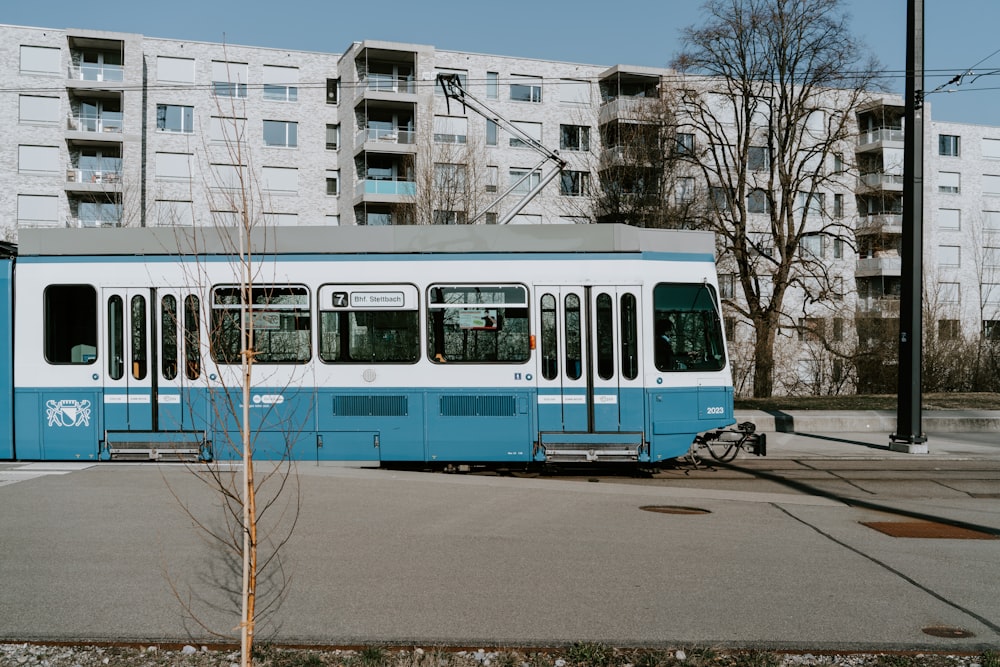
column 507, row 345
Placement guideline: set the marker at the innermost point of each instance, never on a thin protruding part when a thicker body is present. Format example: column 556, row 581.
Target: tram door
column 177, row 341
column 589, row 379
column 128, row 395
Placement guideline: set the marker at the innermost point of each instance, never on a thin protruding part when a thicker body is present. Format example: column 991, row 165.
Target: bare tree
column 770, row 92
column 247, row 325
column 644, row 176
column 453, row 182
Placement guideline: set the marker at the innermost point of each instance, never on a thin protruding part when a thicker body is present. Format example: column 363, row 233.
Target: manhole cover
column 927, row 529
column 945, row 631
column 673, row 509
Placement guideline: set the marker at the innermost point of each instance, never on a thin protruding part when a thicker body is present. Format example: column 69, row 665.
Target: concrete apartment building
column 112, row 129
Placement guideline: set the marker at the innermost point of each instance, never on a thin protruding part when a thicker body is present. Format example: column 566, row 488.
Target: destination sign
column 377, row 300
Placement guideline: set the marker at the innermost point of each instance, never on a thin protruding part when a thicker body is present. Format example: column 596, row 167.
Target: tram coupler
column 725, row 444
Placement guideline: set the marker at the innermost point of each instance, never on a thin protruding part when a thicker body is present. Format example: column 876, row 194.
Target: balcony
column 384, row 137
column 388, row 83
column 385, row 187
column 628, row 108
column 96, row 72
column 881, row 137
column 95, row 129
column 879, row 266
column 90, row 223
column 881, row 181
column 887, row 306
column 880, row 223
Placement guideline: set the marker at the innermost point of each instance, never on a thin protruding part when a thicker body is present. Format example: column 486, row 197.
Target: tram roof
column 364, row 240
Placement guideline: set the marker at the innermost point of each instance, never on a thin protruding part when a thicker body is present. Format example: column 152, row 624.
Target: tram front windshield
column 687, row 328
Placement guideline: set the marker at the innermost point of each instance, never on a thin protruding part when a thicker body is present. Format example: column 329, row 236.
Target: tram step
column 155, row 446
column 590, row 452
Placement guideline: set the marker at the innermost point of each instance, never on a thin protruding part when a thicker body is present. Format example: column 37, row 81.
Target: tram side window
column 280, row 318
column 375, row 337
column 478, row 323
column 168, row 336
column 687, row 328
column 192, row 337
column 550, row 346
column 630, row 337
column 70, row 326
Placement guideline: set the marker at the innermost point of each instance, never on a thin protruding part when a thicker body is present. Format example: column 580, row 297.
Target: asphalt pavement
column 787, row 552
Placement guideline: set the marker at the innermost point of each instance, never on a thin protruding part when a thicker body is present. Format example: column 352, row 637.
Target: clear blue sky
column 959, row 33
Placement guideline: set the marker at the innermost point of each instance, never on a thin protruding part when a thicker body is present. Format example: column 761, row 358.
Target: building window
column 451, row 129
column 948, row 144
column 811, row 328
column 281, row 133
column 574, row 137
column 838, row 329
column 533, row 130
column 522, row 181
column 526, row 88
column 811, row 245
column 463, row 79
column 574, row 183
column 492, row 130
column 991, row 221
column 492, row 178
column 950, row 293
column 332, row 182
column 838, row 205
column 281, row 83
column 684, row 190
column 838, row 248
column 332, row 91
column 838, row 163
column 174, row 118
column 685, row 143
column 991, row 257
column 449, row 217
column 492, row 85
column 949, row 329
column 991, row 329
column 949, row 255
column 490, row 219
column 450, row 177
column 949, row 182
column 814, row 203
column 758, row 158
column 758, row 202
column 229, row 79
column 949, row 218
column 991, row 184
column 720, row 197
column 332, row 137
column 727, row 285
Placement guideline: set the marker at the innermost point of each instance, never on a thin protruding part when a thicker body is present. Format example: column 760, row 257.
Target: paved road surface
column 781, row 559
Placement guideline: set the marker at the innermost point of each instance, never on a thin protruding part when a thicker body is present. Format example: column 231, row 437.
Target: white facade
column 113, row 129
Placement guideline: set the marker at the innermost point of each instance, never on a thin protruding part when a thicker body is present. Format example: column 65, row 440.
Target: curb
column 878, row 421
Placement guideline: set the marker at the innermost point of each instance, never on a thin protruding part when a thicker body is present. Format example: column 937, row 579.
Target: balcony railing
column 880, row 180
column 385, row 187
column 73, row 221
column 884, row 305
column 875, row 266
column 880, row 222
column 95, row 72
column 93, row 176
column 110, row 124
column 388, row 83
column 881, row 134
column 394, row 136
